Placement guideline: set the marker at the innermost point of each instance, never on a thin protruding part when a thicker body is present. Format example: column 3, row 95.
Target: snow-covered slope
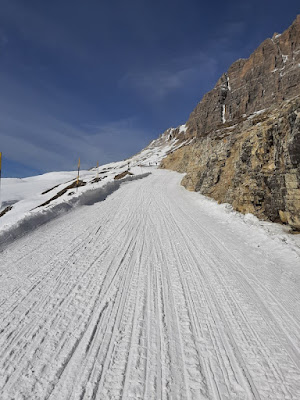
column 161, row 147
column 24, row 198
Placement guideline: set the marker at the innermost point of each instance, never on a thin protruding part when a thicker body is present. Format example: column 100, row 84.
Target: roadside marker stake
column 78, row 171
column 0, row 177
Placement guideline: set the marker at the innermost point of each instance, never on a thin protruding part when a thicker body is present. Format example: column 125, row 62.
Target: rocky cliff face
column 246, row 134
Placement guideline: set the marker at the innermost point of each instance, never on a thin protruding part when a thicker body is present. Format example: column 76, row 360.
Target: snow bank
column 280, row 234
column 40, row 216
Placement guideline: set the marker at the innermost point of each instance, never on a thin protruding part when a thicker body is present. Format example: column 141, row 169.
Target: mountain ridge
column 246, row 86
column 242, row 142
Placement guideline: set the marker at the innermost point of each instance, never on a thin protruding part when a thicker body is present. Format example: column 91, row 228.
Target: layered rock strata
column 246, row 134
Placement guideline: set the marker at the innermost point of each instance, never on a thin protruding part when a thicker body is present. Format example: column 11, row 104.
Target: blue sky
column 100, row 79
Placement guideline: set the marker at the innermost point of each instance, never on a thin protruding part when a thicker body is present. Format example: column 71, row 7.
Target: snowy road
column 147, row 296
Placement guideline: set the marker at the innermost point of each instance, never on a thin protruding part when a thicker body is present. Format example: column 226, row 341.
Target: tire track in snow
column 143, row 297
column 188, row 261
column 259, row 345
column 244, row 279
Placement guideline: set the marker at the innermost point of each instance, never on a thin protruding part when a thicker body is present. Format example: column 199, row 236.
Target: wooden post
column 78, row 171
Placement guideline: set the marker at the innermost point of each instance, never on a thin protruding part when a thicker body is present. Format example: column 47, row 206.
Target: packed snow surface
column 152, row 293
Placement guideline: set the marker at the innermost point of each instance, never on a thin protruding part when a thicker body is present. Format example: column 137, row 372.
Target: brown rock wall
column 270, row 75
column 253, row 165
column 246, row 147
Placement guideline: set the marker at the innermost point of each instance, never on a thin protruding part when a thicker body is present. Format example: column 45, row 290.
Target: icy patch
column 228, row 82
column 223, row 113
column 259, row 112
column 182, row 128
column 256, row 113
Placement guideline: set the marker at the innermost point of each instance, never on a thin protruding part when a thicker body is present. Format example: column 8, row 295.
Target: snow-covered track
column 147, row 296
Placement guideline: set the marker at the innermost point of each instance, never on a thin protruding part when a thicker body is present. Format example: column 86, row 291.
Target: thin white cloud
column 188, row 70
column 3, row 40
column 58, row 149
column 156, row 84
column 181, row 73
column 50, row 144
column 40, row 29
column 35, row 133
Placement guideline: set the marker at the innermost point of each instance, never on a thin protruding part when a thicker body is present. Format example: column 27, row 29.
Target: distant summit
column 270, row 75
